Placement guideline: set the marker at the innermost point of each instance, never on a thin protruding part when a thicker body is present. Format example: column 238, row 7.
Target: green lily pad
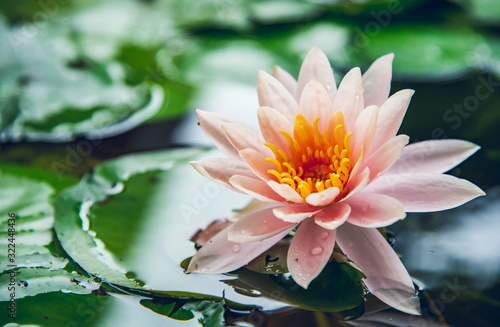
column 26, row 220
column 54, row 180
column 332, row 38
column 27, row 199
column 280, row 11
column 337, row 289
column 212, row 312
column 181, row 297
column 180, row 306
column 483, row 11
column 68, row 78
column 57, row 309
column 422, row 51
column 34, row 281
column 46, row 97
column 98, row 219
column 167, row 309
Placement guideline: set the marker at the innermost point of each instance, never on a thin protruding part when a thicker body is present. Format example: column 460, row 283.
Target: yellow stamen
column 275, row 173
column 314, row 160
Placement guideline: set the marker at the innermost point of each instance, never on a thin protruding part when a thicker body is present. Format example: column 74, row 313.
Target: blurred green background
column 83, row 82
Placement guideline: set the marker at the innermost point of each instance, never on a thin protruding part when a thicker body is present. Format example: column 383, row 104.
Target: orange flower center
column 314, row 161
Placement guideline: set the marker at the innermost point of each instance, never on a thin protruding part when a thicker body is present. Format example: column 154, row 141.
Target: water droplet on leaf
column 22, row 283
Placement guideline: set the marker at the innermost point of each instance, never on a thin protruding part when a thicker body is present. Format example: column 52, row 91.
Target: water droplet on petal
column 366, row 207
column 317, row 251
column 357, row 97
column 236, row 248
column 324, row 235
column 328, row 86
column 264, row 221
column 243, row 231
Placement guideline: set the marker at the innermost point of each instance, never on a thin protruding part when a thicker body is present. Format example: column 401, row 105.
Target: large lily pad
column 66, row 77
column 34, row 281
column 57, row 309
column 26, row 220
column 98, row 245
column 422, row 51
column 180, row 305
column 337, row 289
column 46, row 95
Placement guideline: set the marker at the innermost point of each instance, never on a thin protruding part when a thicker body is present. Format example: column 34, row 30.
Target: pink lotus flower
column 328, row 161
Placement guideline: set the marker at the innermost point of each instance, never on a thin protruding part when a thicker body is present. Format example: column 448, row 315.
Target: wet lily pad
column 58, row 84
column 98, row 245
column 44, row 96
column 60, row 310
column 167, row 309
column 34, row 281
column 337, row 289
column 368, row 7
column 226, row 14
column 54, row 180
column 180, row 306
column 26, row 220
